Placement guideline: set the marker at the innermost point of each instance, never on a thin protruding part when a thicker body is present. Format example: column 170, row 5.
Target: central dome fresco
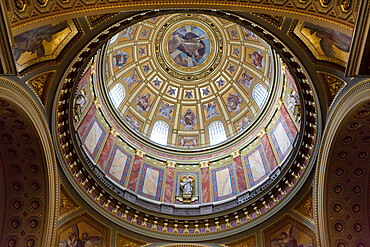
column 188, row 80
column 182, row 116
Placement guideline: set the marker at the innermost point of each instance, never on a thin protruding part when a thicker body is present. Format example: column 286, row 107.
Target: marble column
column 102, row 161
column 271, row 159
column 239, row 171
column 170, row 175
column 136, row 167
column 288, row 120
column 204, row 171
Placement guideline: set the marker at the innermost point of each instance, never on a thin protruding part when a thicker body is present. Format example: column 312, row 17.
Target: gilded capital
column 140, row 153
column 204, row 164
column 171, row 163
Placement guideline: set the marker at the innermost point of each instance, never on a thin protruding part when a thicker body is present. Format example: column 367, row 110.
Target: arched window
column 216, row 133
column 117, row 94
column 259, row 95
column 159, row 132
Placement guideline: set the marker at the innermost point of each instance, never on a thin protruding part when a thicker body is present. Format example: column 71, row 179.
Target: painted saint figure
column 131, row 79
column 74, row 239
column 188, row 119
column 120, row 59
column 257, row 59
column 187, row 185
column 166, row 110
column 211, row 110
column 80, row 102
column 234, row 103
column 142, row 103
column 243, row 123
column 246, row 80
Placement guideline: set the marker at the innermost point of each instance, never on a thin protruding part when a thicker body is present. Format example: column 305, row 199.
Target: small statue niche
column 186, row 189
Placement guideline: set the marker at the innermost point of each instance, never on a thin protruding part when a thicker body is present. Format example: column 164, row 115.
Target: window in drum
column 117, row 94
column 159, row 133
column 216, row 133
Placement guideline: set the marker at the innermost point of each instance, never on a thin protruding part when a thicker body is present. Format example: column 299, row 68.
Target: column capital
column 235, row 154
column 204, row 164
column 97, row 103
column 113, row 132
column 140, row 153
column 262, row 133
column 171, row 163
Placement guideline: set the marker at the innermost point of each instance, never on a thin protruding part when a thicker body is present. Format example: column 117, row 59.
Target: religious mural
column 82, row 232
column 324, row 43
column 189, row 46
column 132, row 78
column 188, row 120
column 289, row 232
column 166, row 110
column 211, row 109
column 246, row 80
column 42, row 43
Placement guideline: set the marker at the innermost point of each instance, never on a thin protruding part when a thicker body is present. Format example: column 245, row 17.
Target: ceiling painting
column 42, row 43
column 324, row 43
column 201, row 65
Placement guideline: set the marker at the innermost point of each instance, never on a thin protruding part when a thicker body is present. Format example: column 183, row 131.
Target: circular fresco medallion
column 189, row 47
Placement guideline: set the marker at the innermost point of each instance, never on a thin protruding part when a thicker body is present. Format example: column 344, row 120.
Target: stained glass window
column 117, row 94
column 259, row 95
column 216, row 133
column 159, row 132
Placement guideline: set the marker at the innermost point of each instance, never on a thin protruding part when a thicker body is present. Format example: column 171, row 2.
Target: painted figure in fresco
column 257, row 59
column 80, row 102
column 190, row 44
column 188, row 120
column 143, row 103
column 328, row 38
column 32, row 40
column 74, row 239
column 120, row 59
column 132, row 123
column 166, row 110
column 131, row 79
column 188, row 141
column 288, row 239
column 249, row 34
column 234, row 103
column 246, row 80
column 211, row 110
column 293, row 99
column 128, row 32
column 187, row 185
column 243, row 123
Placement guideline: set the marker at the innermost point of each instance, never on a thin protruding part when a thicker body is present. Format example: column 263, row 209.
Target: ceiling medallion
column 189, row 47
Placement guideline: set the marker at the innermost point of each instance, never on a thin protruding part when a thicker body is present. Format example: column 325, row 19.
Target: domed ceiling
column 188, row 72
column 200, row 78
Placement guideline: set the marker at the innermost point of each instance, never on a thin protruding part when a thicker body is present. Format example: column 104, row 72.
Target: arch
column 117, row 94
column 216, row 133
column 331, row 156
column 159, row 132
column 40, row 148
column 259, row 95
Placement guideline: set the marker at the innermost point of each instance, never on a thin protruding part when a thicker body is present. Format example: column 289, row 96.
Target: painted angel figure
column 131, row 79
column 293, row 99
column 246, row 80
column 328, row 38
column 243, row 123
column 211, row 110
column 166, row 110
column 234, row 103
column 74, row 239
column 32, row 40
column 128, row 32
column 288, row 239
column 257, row 59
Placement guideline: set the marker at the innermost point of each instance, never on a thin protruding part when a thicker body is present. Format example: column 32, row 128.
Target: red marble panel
column 239, row 170
column 206, row 193
column 271, row 159
column 102, row 162
column 86, row 120
column 134, row 175
column 289, row 122
column 168, row 190
column 290, row 79
column 84, row 79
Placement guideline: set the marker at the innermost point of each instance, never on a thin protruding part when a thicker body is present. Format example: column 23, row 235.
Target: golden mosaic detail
column 125, row 241
column 334, row 85
column 305, row 206
column 40, row 84
column 66, row 203
column 246, row 242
